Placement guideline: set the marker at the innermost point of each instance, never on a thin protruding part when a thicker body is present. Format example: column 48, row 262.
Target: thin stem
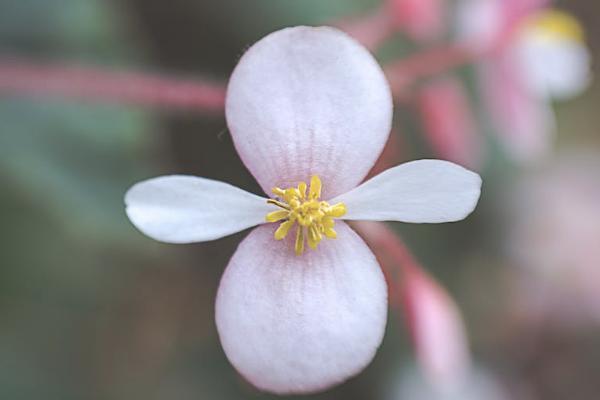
column 95, row 84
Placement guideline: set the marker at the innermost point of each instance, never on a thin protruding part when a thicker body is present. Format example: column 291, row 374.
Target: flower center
column 555, row 25
column 315, row 218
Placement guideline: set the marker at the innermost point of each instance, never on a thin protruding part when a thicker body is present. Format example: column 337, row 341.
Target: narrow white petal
column 300, row 324
column 423, row 191
column 185, row 209
column 305, row 101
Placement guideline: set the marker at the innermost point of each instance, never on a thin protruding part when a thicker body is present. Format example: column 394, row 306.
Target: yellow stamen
column 283, row 229
column 299, row 240
column 315, row 218
column 554, row 24
column 315, row 188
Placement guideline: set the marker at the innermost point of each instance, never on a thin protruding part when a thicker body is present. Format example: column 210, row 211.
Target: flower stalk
column 95, row 84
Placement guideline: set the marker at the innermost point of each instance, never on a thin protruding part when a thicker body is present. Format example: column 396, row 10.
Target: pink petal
column 449, row 121
column 300, row 324
column 305, row 101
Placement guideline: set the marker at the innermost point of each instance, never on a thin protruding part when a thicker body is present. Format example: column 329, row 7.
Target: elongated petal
column 299, row 324
column 308, row 101
column 185, row 209
column 423, row 191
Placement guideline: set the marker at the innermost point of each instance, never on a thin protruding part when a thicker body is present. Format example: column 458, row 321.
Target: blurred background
column 91, row 309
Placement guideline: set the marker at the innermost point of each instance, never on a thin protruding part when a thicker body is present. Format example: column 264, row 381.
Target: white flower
column 303, row 103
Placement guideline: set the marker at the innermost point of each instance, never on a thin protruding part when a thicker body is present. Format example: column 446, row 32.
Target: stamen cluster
column 315, row 218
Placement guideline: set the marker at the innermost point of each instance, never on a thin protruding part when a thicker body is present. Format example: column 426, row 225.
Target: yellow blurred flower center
column 315, row 218
column 553, row 24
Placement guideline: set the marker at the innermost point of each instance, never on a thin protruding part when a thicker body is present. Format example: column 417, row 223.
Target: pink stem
column 110, row 86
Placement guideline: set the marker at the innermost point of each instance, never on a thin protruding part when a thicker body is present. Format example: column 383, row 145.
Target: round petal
column 423, row 191
column 185, row 209
column 309, row 101
column 300, row 324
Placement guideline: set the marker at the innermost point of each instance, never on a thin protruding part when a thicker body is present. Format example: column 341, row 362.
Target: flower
column 532, row 57
column 303, row 103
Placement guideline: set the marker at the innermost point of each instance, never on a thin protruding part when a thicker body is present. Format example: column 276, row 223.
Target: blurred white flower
column 303, row 103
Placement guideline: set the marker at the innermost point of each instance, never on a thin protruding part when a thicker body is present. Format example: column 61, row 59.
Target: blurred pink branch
column 96, row 84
